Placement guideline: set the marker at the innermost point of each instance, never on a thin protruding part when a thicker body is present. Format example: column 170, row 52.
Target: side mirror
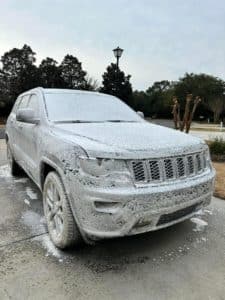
column 27, row 115
column 141, row 114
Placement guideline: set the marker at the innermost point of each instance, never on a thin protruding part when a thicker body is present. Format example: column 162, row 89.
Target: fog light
column 144, row 221
column 107, row 207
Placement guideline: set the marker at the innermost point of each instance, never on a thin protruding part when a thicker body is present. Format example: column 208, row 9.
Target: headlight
column 208, row 158
column 102, row 167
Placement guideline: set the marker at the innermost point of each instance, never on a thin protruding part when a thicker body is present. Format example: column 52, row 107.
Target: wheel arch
column 47, row 166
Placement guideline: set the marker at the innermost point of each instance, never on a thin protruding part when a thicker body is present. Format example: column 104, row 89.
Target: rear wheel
column 14, row 167
column 60, row 221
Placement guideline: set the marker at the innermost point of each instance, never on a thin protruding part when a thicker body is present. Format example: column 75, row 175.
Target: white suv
column 103, row 170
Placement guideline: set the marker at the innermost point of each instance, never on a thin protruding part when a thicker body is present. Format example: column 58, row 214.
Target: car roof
column 62, row 91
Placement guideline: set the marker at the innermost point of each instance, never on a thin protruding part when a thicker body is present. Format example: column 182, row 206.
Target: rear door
column 10, row 126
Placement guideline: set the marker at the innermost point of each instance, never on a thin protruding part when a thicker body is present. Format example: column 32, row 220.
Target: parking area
column 186, row 261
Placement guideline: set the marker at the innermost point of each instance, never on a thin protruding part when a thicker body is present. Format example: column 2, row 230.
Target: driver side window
column 24, row 102
column 33, row 104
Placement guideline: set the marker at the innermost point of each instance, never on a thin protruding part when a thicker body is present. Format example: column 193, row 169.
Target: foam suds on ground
column 200, row 224
column 200, row 212
column 31, row 194
column 5, row 171
column 50, row 247
column 33, row 220
column 27, row 202
column 21, row 180
column 37, row 225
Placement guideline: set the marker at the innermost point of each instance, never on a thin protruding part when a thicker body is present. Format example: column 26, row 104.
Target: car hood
column 129, row 140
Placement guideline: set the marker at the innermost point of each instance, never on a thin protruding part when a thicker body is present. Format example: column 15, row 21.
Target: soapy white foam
column 31, row 194
column 21, row 180
column 36, row 223
column 43, row 220
column 50, row 247
column 209, row 212
column 5, row 171
column 200, row 212
column 33, row 221
column 27, row 202
column 200, row 224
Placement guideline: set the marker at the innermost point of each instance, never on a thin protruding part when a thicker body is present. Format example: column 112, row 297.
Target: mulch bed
column 220, row 179
column 218, row 158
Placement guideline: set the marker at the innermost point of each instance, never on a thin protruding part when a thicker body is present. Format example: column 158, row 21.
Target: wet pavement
column 186, row 261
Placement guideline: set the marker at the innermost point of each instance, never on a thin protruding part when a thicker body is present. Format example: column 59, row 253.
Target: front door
column 18, row 134
column 30, row 139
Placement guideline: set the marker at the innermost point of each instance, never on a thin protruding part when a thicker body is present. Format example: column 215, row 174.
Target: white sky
column 161, row 39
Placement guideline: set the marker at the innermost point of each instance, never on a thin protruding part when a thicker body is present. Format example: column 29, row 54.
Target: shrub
column 217, row 147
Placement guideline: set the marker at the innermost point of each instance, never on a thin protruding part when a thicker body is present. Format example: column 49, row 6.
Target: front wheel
column 60, row 221
column 14, row 167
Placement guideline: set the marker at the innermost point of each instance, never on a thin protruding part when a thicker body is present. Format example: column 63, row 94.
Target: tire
column 62, row 227
column 14, row 167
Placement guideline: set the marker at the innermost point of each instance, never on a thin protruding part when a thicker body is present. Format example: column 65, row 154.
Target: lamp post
column 118, row 53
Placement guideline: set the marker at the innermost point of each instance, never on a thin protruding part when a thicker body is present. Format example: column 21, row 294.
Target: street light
column 118, row 53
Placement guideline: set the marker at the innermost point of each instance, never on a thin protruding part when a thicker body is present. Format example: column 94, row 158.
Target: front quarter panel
column 59, row 153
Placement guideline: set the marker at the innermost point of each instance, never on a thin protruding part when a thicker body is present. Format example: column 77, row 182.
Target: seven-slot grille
column 156, row 170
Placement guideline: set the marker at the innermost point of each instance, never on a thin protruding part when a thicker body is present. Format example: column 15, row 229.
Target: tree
column 141, row 102
column 116, row 83
column 18, row 72
column 92, row 84
column 209, row 88
column 189, row 112
column 72, row 74
column 4, row 95
column 159, row 97
column 49, row 73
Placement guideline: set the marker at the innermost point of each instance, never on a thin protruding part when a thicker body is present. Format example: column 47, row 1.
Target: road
column 186, row 261
column 207, row 135
column 2, row 132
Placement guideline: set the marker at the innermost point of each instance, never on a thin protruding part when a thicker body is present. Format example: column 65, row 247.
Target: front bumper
column 114, row 212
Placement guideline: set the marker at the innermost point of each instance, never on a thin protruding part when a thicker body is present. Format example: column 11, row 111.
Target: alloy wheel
column 54, row 209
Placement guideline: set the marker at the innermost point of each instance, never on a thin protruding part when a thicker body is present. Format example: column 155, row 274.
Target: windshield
column 84, row 107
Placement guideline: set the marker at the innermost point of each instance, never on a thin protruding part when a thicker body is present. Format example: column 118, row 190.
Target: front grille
column 167, row 218
column 180, row 167
column 169, row 171
column 139, row 170
column 153, row 167
column 190, row 162
column 147, row 171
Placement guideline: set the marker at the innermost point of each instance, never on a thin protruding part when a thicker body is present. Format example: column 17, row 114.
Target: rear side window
column 24, row 102
column 16, row 105
column 33, row 104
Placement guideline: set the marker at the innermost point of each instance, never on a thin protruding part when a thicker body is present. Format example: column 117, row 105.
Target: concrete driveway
column 186, row 261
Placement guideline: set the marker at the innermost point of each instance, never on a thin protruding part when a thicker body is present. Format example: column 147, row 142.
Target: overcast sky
column 161, row 39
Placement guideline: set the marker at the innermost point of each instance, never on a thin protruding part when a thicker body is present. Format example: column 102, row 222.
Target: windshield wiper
column 75, row 121
column 120, row 121
column 83, row 121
